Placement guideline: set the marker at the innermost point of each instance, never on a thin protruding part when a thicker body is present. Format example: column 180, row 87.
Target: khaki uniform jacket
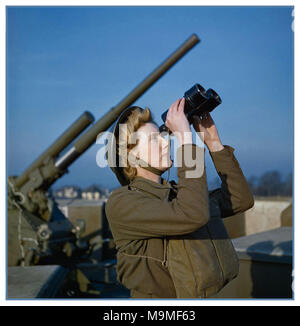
column 144, row 214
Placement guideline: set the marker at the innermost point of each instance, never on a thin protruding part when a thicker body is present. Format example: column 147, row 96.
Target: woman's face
column 152, row 147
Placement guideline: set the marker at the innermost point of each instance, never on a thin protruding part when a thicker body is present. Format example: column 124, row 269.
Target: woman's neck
column 148, row 175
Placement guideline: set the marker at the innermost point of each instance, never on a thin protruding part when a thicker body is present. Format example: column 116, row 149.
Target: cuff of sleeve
column 223, row 157
column 220, row 155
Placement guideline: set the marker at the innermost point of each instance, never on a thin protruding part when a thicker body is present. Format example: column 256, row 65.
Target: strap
column 142, row 190
column 151, row 168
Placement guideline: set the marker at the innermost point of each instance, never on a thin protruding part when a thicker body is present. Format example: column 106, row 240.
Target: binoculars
column 197, row 102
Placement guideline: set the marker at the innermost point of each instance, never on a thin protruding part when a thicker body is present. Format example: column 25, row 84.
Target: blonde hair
column 134, row 121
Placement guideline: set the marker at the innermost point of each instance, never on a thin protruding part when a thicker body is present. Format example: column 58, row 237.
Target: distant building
column 92, row 193
column 67, row 192
column 106, row 192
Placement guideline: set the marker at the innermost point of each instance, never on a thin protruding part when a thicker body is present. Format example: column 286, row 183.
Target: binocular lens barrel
column 197, row 101
column 194, row 97
column 213, row 101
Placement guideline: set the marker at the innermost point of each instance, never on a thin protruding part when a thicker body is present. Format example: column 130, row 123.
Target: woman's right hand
column 208, row 132
column 177, row 122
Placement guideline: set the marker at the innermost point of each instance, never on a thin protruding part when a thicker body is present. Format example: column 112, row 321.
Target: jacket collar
column 161, row 190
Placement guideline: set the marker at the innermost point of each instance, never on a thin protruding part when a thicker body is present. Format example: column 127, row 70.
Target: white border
column 86, row 302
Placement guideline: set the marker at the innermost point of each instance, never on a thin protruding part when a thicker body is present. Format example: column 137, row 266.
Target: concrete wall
column 266, row 214
column 34, row 281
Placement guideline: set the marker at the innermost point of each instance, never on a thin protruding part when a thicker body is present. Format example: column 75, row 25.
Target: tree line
column 270, row 183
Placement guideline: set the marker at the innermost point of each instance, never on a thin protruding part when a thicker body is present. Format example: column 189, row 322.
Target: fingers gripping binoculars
column 197, row 102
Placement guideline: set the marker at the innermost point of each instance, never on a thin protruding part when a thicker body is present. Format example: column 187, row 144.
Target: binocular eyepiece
column 197, row 102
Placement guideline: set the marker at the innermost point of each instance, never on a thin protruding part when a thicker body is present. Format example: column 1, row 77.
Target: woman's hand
column 207, row 130
column 177, row 122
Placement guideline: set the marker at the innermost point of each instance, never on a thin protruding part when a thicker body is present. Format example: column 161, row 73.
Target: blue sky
column 62, row 61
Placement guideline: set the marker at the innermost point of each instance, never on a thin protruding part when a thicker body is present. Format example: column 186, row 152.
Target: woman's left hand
column 207, row 130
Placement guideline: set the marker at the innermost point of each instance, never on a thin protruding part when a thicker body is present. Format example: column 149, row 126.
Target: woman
column 147, row 209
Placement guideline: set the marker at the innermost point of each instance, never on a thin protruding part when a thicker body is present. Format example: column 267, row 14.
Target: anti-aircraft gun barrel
column 62, row 142
column 30, row 186
column 88, row 138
